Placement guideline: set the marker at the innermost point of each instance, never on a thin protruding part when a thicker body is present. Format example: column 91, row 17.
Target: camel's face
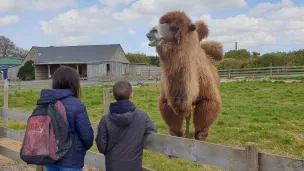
column 168, row 32
column 160, row 34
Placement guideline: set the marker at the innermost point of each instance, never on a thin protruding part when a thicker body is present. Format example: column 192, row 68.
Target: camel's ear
column 191, row 27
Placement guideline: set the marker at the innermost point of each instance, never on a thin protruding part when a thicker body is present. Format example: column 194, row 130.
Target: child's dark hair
column 122, row 90
column 67, row 78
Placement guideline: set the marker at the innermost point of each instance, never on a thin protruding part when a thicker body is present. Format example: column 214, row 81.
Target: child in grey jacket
column 121, row 133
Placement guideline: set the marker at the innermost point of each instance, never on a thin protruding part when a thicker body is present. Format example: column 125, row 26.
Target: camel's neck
column 178, row 57
column 174, row 58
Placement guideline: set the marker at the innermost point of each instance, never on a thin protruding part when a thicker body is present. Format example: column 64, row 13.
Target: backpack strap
column 45, row 101
column 48, row 101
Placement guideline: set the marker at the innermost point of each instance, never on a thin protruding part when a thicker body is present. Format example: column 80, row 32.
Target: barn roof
column 11, row 61
column 7, row 66
column 76, row 54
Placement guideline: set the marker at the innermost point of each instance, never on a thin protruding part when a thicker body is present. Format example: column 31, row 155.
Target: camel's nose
column 149, row 36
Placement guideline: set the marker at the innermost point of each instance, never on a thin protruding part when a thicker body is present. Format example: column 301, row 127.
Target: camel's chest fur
column 181, row 82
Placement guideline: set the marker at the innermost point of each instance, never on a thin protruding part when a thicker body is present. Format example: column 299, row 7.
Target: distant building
column 144, row 70
column 89, row 61
column 6, row 65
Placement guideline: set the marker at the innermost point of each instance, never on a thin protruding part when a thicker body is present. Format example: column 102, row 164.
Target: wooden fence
column 281, row 71
column 153, row 76
column 235, row 159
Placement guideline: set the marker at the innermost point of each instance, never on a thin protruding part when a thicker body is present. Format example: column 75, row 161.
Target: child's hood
column 55, row 93
column 122, row 112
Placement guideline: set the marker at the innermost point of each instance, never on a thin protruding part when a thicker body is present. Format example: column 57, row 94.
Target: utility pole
column 236, row 46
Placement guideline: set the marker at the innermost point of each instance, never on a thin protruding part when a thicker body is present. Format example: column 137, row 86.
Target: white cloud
column 297, row 35
column 291, row 13
column 154, row 20
column 127, row 15
column 75, row 40
column 241, row 28
column 8, row 20
column 36, row 5
column 131, row 32
column 150, row 8
column 266, row 6
column 284, row 22
column 114, row 3
column 74, row 25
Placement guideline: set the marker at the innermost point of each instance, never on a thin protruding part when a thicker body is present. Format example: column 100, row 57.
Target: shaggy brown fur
column 212, row 48
column 188, row 74
column 202, row 30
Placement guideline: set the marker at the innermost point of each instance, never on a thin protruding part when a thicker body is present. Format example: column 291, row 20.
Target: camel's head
column 172, row 27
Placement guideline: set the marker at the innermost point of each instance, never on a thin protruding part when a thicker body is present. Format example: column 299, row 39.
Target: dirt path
column 10, row 165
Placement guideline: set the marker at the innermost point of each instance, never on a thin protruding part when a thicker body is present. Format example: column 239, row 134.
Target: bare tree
column 8, row 48
column 20, row 52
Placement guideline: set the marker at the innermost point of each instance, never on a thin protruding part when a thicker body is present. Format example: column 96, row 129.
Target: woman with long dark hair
column 66, row 87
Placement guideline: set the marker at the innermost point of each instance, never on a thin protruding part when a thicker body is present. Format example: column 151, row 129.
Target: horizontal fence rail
column 93, row 159
column 225, row 157
column 282, row 71
column 154, row 75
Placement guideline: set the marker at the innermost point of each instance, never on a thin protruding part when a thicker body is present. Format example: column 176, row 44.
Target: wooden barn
column 90, row 61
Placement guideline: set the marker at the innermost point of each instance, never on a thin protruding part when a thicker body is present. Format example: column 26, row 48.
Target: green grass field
column 270, row 114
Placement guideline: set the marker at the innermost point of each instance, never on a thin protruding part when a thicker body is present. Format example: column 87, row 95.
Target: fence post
column 5, row 105
column 106, row 100
column 229, row 76
column 271, row 71
column 252, row 155
column 149, row 74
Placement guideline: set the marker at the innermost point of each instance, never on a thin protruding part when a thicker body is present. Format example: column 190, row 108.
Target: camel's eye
column 174, row 28
column 164, row 22
column 154, row 30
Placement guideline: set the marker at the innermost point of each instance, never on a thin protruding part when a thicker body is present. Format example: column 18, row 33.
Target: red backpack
column 47, row 137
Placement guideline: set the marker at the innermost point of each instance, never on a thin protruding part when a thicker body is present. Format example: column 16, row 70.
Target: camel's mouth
column 156, row 42
column 156, row 39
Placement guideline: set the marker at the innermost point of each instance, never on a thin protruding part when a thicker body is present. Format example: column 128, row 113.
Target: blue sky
column 263, row 26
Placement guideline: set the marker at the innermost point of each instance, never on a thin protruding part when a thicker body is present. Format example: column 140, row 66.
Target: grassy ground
column 270, row 114
column 289, row 78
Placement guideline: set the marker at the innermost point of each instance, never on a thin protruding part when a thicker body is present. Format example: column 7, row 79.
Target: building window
column 108, row 68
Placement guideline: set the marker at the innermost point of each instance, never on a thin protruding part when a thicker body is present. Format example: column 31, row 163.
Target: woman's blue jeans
column 57, row 168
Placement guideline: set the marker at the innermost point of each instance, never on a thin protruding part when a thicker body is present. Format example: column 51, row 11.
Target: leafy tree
column 27, row 71
column 229, row 63
column 238, row 54
column 272, row 59
column 138, row 58
column 154, row 61
column 242, row 59
column 143, row 58
column 255, row 54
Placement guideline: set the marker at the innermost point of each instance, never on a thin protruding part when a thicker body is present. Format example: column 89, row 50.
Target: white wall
column 12, row 72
